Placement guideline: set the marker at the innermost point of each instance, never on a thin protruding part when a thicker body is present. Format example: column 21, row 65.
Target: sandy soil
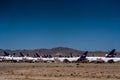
column 59, row 71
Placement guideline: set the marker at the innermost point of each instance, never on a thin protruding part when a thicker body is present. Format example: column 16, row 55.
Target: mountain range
column 57, row 51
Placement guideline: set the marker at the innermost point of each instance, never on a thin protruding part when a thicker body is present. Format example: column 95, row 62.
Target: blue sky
column 79, row 24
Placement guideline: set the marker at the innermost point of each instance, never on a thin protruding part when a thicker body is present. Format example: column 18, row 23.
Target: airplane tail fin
column 83, row 56
column 50, row 56
column 21, row 54
column 111, row 54
column 6, row 54
column 37, row 55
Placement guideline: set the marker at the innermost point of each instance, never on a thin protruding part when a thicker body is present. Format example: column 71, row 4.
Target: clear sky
column 79, row 24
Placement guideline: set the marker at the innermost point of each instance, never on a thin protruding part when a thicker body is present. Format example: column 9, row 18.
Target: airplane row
column 22, row 58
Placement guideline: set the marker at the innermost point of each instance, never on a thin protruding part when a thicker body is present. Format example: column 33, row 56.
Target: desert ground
column 59, row 71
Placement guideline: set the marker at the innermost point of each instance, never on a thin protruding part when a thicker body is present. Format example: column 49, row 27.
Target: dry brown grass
column 58, row 71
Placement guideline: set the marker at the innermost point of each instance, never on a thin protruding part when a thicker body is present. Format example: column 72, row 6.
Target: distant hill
column 55, row 52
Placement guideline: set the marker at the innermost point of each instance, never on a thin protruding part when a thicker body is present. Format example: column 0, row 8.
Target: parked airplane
column 36, row 57
column 45, row 58
column 72, row 59
column 107, row 58
column 18, row 59
column 6, row 57
column 27, row 58
column 111, row 57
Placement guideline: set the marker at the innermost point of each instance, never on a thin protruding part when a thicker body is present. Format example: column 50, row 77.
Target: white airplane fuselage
column 47, row 59
column 17, row 59
column 104, row 59
column 6, row 58
column 114, row 59
column 93, row 59
column 71, row 59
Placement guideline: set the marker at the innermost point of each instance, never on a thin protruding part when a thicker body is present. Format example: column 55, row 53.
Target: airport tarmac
column 59, row 71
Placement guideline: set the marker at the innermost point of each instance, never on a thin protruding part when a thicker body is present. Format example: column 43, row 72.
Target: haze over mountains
column 55, row 52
